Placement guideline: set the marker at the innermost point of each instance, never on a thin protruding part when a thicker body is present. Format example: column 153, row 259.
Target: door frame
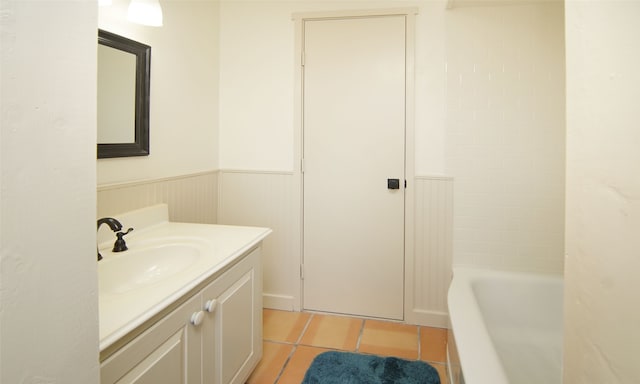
column 299, row 20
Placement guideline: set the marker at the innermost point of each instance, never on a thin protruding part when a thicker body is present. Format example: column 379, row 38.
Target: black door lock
column 393, row 183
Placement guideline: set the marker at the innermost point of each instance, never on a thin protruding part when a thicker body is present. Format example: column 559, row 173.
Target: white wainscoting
column 191, row 198
column 431, row 270
column 267, row 199
column 270, row 199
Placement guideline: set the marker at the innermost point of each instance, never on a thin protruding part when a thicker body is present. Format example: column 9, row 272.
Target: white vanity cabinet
column 214, row 337
column 167, row 352
column 232, row 331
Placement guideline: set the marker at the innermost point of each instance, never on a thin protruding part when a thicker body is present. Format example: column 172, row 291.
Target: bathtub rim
column 465, row 313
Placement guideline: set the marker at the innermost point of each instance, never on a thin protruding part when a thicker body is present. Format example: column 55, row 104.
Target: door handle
column 393, row 183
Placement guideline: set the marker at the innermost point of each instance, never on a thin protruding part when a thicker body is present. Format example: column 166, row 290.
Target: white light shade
column 105, row 3
column 145, row 12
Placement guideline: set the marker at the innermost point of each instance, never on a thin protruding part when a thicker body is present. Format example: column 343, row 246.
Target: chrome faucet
column 115, row 227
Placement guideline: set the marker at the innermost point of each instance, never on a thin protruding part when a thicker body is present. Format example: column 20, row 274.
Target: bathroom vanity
column 183, row 304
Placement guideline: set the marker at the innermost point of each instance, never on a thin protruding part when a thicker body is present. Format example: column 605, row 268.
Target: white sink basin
column 145, row 264
column 164, row 262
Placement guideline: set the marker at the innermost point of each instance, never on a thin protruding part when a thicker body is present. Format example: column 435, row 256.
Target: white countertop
column 122, row 312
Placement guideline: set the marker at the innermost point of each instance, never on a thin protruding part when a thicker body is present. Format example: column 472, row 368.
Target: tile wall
column 506, row 135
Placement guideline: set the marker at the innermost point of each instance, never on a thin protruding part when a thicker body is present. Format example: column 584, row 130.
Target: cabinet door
column 232, row 332
column 166, row 353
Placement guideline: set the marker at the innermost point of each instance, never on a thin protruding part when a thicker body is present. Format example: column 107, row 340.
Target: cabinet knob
column 197, row 317
column 210, row 305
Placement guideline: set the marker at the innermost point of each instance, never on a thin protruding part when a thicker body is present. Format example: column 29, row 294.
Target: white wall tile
column 505, row 141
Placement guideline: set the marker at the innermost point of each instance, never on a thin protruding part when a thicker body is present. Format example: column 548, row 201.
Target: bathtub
column 506, row 327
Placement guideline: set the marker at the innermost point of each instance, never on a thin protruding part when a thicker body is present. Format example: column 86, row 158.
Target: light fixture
column 105, row 3
column 145, row 12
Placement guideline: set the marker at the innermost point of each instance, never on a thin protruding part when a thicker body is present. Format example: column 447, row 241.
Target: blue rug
column 353, row 368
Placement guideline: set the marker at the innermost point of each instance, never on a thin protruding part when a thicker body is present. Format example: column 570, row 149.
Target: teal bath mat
column 354, row 368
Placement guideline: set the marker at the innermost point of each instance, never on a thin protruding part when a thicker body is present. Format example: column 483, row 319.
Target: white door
column 353, row 142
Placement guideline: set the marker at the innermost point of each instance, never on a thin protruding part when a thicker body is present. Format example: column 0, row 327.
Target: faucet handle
column 120, row 245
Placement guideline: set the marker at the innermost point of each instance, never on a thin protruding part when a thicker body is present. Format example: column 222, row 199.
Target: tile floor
column 293, row 339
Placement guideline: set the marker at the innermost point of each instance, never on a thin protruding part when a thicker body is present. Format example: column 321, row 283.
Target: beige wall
column 602, row 342
column 184, row 91
column 48, row 276
column 257, row 81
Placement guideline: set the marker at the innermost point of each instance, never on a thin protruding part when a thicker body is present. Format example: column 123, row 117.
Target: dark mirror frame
column 143, row 73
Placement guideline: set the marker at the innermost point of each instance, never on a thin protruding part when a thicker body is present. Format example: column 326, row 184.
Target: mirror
column 124, row 69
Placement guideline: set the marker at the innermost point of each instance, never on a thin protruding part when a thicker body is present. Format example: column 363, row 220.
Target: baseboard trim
column 429, row 318
column 280, row 302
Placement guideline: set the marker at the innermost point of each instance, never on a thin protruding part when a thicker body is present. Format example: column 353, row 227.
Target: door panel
column 354, row 137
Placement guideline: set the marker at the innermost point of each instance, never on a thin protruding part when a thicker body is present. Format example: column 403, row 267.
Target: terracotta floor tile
column 288, row 352
column 334, row 332
column 274, row 356
column 433, row 344
column 299, row 363
column 442, row 371
column 283, row 326
column 389, row 339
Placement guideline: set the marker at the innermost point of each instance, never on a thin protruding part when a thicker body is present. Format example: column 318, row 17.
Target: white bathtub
column 506, row 326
